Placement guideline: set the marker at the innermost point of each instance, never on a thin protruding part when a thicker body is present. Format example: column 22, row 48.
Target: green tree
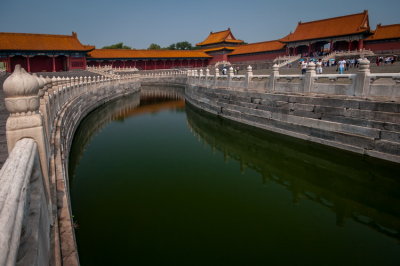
column 185, row 45
column 119, row 45
column 154, row 46
column 172, row 47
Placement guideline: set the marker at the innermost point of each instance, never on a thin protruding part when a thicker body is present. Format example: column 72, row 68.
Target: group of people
column 387, row 60
column 224, row 70
column 343, row 64
column 318, row 66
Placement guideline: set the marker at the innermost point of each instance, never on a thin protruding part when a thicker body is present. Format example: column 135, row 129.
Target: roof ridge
column 302, row 23
column 220, row 31
column 389, row 25
column 42, row 34
column 260, row 42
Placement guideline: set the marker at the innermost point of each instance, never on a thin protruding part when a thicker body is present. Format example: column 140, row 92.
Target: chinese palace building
column 385, row 39
column 335, row 34
column 219, row 45
column 148, row 59
column 43, row 52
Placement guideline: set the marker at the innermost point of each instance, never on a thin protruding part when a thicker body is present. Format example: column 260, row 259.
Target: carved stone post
column 272, row 79
column 230, row 76
column 22, row 101
column 207, row 76
column 249, row 76
column 309, row 77
column 362, row 84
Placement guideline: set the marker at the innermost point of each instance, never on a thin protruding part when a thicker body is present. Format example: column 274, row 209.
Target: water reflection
column 149, row 100
column 353, row 187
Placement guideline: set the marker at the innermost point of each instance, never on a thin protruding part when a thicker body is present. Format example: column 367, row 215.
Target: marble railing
column 25, row 214
column 362, row 84
column 44, row 114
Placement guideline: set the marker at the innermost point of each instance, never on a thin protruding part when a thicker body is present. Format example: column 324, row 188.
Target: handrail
column 14, row 186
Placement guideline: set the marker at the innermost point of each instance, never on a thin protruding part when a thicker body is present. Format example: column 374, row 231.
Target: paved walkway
column 3, row 118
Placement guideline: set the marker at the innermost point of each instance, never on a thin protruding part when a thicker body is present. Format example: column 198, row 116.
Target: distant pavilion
column 219, row 45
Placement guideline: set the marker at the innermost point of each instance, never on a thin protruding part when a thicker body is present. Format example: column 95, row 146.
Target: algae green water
column 162, row 183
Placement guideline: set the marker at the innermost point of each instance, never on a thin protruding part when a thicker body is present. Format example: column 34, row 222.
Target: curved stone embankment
column 66, row 124
column 47, row 113
column 349, row 123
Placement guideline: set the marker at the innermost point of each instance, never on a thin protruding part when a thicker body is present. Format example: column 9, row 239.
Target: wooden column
column 360, row 44
column 8, row 66
column 349, row 46
column 331, row 46
column 28, row 63
column 54, row 63
column 164, row 62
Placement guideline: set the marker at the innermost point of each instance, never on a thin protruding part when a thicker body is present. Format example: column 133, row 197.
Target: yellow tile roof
column 258, row 47
column 219, row 37
column 219, row 48
column 330, row 27
column 385, row 32
column 41, row 42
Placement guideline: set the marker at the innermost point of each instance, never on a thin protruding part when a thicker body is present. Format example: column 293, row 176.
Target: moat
column 156, row 182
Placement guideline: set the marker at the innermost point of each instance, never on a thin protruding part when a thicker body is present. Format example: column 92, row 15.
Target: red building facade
column 385, row 39
column 148, row 59
column 43, row 52
column 327, row 35
column 261, row 51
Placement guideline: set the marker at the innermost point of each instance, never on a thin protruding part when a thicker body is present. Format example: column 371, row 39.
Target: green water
column 163, row 184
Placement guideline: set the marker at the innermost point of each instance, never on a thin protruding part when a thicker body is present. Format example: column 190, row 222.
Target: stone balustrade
column 25, row 214
column 362, row 84
column 44, row 114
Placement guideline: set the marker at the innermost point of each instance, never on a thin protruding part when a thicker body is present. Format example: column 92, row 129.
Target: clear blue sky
column 140, row 23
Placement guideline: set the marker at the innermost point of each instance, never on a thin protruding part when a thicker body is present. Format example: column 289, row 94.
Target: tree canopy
column 154, row 46
column 185, row 45
column 119, row 45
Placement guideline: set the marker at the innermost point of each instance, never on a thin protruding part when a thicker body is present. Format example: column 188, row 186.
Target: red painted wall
column 254, row 57
column 153, row 64
column 61, row 63
column 383, row 46
column 217, row 58
column 41, row 63
column 77, row 63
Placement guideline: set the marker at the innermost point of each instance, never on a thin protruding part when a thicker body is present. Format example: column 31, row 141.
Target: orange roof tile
column 219, row 37
column 385, row 32
column 127, row 53
column 41, row 42
column 258, row 47
column 337, row 26
column 219, row 48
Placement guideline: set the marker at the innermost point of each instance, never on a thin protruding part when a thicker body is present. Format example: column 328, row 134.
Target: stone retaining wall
column 362, row 126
